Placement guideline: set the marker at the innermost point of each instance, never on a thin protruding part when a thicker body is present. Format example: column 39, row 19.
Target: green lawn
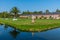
column 27, row 25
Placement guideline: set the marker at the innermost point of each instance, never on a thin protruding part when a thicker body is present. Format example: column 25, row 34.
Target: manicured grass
column 27, row 25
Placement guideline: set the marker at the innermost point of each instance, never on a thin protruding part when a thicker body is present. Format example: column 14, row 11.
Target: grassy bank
column 27, row 25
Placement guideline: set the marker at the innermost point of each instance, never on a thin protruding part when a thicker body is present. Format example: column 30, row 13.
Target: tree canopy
column 14, row 11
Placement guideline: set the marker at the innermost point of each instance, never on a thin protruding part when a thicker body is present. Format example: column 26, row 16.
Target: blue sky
column 31, row 5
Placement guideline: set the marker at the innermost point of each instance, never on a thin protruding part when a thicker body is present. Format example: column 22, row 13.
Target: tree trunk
column 15, row 15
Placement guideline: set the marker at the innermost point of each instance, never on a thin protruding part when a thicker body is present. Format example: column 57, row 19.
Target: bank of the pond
column 26, row 25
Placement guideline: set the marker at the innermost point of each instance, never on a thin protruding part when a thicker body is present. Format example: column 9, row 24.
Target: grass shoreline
column 26, row 25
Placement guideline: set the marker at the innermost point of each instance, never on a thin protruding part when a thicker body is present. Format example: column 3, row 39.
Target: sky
column 31, row 5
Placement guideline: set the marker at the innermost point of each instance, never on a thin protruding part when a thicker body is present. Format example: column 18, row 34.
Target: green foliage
column 4, row 14
column 14, row 11
column 40, row 12
column 57, row 10
column 35, row 12
column 47, row 11
column 27, row 12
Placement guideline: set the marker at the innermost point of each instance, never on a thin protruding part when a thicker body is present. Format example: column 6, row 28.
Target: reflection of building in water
column 32, row 33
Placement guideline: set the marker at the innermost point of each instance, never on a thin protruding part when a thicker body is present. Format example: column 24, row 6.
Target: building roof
column 53, row 13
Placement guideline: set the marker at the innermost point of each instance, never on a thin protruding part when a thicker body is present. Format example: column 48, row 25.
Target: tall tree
column 14, row 11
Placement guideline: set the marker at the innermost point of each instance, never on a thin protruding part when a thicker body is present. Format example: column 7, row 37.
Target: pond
column 9, row 33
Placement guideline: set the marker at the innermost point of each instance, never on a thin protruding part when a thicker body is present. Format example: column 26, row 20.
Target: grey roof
column 41, row 14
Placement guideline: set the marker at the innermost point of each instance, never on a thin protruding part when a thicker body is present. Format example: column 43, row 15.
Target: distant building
column 54, row 15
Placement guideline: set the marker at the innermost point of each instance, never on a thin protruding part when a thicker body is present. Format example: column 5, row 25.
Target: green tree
column 57, row 10
column 35, row 12
column 4, row 14
column 40, row 12
column 27, row 12
column 47, row 11
column 15, row 11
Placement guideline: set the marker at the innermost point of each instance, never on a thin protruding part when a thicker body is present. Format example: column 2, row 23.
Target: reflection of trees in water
column 5, row 27
column 14, row 33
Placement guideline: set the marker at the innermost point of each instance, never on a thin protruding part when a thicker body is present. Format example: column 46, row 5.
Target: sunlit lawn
column 26, row 24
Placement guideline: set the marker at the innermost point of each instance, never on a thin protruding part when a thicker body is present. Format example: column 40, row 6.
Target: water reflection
column 5, row 27
column 32, row 34
column 14, row 33
column 10, row 33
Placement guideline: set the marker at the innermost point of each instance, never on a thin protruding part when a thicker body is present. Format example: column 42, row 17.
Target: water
column 9, row 33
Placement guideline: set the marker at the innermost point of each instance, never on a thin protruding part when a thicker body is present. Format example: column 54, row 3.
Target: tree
column 27, row 12
column 14, row 11
column 57, row 10
column 47, row 11
column 40, row 12
column 4, row 14
column 35, row 12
